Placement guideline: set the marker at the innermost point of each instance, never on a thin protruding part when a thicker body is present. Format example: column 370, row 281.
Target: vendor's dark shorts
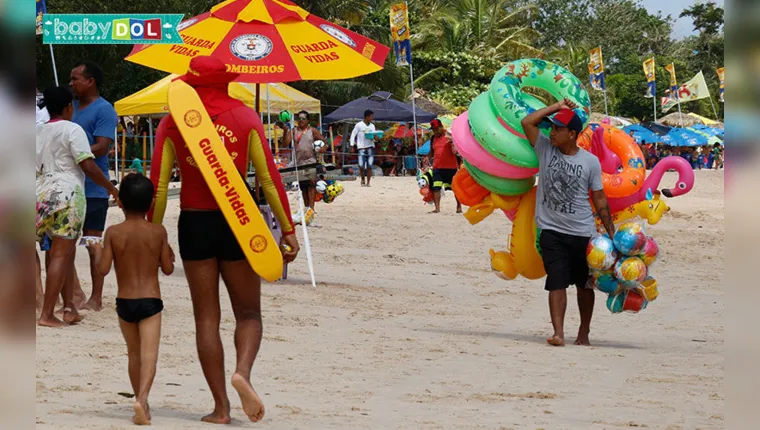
column 95, row 218
column 308, row 183
column 203, row 235
column 443, row 177
column 564, row 258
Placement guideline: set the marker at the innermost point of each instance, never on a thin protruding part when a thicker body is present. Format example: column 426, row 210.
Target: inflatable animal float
column 500, row 166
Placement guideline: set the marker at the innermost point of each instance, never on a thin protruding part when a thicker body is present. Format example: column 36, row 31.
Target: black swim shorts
column 564, row 258
column 136, row 310
column 443, row 178
column 203, row 235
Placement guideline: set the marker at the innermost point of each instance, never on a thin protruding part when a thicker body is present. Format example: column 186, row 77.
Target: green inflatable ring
column 501, row 186
column 504, row 144
column 512, row 104
column 506, row 100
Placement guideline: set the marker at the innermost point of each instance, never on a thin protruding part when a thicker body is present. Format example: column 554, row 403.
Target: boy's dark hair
column 303, row 112
column 136, row 193
column 367, row 113
column 92, row 70
column 56, row 100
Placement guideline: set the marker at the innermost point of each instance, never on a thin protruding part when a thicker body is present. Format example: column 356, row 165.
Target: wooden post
column 332, row 145
column 145, row 151
column 123, row 152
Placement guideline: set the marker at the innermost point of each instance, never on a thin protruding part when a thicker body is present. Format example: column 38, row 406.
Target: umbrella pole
column 150, row 128
column 713, row 107
column 678, row 101
column 654, row 104
column 269, row 118
column 414, row 117
column 145, row 150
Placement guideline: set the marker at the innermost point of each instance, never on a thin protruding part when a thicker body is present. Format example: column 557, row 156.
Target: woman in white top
column 63, row 159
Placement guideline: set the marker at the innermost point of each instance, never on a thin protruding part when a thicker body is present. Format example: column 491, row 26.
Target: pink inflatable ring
column 469, row 148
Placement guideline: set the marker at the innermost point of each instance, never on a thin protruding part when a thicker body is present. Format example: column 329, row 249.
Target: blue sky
column 683, row 26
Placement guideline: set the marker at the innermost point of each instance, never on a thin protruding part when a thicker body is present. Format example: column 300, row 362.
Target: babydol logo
column 110, row 28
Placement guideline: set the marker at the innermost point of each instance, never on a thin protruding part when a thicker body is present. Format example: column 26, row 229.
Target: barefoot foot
column 556, row 341
column 50, row 322
column 141, row 415
column 217, row 418
column 252, row 405
column 93, row 305
column 582, row 340
column 71, row 316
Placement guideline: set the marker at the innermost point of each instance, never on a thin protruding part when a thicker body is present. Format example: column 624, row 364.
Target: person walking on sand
column 98, row 119
column 364, row 145
column 64, row 158
column 304, row 136
column 564, row 215
column 138, row 249
column 207, row 245
column 445, row 163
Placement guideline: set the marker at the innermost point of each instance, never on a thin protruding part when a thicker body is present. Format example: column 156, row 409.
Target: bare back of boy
column 138, row 249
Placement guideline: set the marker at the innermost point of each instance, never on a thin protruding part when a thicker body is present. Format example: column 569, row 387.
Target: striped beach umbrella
column 267, row 41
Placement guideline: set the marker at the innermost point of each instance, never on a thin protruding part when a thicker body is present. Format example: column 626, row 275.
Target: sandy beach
column 408, row 328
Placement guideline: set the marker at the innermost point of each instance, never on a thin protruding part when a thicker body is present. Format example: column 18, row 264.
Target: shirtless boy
column 138, row 248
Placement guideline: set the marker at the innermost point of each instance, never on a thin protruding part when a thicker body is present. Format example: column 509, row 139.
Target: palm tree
column 495, row 28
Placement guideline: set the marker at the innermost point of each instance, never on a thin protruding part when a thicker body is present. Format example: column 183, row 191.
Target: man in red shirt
column 445, row 163
column 207, row 245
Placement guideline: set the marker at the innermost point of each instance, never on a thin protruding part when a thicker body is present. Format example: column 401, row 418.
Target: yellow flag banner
column 722, row 82
column 650, row 74
column 596, row 62
column 673, row 82
column 402, row 46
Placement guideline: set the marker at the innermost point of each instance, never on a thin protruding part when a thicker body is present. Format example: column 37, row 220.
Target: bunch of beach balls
column 328, row 190
column 621, row 267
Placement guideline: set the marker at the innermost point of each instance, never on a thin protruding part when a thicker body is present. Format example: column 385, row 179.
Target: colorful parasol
column 267, row 41
column 402, row 131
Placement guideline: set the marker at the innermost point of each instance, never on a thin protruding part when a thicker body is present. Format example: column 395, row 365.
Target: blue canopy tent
column 642, row 134
column 384, row 107
column 712, row 131
column 684, row 137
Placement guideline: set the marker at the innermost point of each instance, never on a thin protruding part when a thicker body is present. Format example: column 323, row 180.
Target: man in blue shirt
column 98, row 119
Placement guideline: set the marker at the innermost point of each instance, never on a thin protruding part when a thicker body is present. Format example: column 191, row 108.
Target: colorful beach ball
column 650, row 251
column 606, row 282
column 600, row 253
column 630, row 271
column 630, row 238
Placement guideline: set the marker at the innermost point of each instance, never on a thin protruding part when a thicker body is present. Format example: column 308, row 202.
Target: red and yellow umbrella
column 267, row 41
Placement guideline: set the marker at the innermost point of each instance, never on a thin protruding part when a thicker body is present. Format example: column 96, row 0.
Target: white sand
column 408, row 328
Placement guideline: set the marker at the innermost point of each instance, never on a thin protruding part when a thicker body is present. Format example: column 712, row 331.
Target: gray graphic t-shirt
column 564, row 181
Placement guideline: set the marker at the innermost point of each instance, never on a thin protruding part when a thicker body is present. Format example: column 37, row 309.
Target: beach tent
column 152, row 100
column 641, row 133
column 712, row 131
column 711, row 138
column 705, row 120
column 384, row 107
column 684, row 137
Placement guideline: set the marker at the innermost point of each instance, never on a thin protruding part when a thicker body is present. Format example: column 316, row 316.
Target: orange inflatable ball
column 468, row 192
